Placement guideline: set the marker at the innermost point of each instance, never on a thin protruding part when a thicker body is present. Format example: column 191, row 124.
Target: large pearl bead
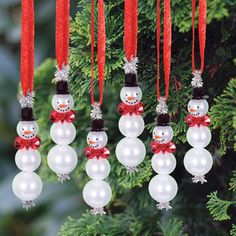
column 28, row 160
column 97, row 193
column 163, row 163
column 27, row 186
column 97, row 168
column 63, row 133
column 199, row 136
column 163, row 188
column 130, row 152
column 198, row 161
column 62, row 159
column 131, row 126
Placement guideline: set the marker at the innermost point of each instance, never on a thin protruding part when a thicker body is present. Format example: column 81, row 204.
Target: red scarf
column 98, row 153
column 166, row 147
column 33, row 143
column 57, row 116
column 192, row 120
column 124, row 109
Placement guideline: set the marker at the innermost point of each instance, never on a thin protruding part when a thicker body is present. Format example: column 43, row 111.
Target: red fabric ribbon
column 27, row 47
column 166, row 46
column 21, row 143
column 192, row 120
column 124, row 109
column 97, row 153
column 130, row 28
column 202, row 17
column 62, row 31
column 57, row 116
column 167, row 147
column 101, row 54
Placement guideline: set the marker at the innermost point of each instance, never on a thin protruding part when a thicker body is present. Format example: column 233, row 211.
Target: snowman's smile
column 131, row 102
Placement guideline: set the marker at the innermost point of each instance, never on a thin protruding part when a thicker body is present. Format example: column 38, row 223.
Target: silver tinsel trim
column 131, row 66
column 164, row 205
column 96, row 112
column 28, row 204
column 161, row 106
column 28, row 100
column 63, row 178
column 96, row 211
column 197, row 79
column 131, row 169
column 197, row 179
column 61, row 74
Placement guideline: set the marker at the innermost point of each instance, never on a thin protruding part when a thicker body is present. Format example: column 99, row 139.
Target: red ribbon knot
column 57, row 116
column 98, row 153
column 166, row 147
column 124, row 109
column 21, row 143
column 192, row 120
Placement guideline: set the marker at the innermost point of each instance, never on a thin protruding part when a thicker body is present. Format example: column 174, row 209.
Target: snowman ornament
column 198, row 161
column 163, row 187
column 97, row 192
column 27, row 185
column 130, row 151
column 62, row 158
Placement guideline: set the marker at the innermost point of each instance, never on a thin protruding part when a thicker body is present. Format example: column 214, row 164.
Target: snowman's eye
column 58, row 102
column 197, row 106
column 163, row 133
column 126, row 95
column 23, row 129
column 68, row 101
column 33, row 128
column 137, row 94
column 96, row 138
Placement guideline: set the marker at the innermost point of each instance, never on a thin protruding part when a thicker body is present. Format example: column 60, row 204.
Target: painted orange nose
column 192, row 110
column 62, row 105
column 130, row 98
column 27, row 132
column 157, row 137
column 91, row 142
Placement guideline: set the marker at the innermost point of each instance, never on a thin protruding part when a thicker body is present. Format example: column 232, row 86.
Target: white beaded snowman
column 97, row 192
column 198, row 161
column 27, row 185
column 130, row 151
column 62, row 159
column 163, row 187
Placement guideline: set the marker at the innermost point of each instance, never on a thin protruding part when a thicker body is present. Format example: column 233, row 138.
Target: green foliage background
column 198, row 210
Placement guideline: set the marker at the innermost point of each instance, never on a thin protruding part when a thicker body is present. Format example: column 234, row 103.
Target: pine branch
column 232, row 183
column 233, row 230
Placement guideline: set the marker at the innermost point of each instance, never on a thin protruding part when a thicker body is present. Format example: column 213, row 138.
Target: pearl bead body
column 131, row 95
column 97, row 139
column 162, row 134
column 62, row 102
column 198, row 107
column 27, row 129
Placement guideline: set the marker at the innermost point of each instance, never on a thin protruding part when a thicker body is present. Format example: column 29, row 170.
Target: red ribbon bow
column 167, row 147
column 21, row 143
column 192, row 120
column 98, row 153
column 124, row 109
column 57, row 116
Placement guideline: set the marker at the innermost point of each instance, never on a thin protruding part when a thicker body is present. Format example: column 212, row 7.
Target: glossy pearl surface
column 27, row 129
column 131, row 95
column 62, row 102
column 162, row 134
column 97, row 139
column 198, row 107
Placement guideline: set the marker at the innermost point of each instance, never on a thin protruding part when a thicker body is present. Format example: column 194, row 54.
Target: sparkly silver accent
column 197, row 179
column 61, row 74
column 28, row 204
column 131, row 66
column 164, row 205
column 131, row 169
column 96, row 211
column 27, row 100
column 197, row 79
column 63, row 178
column 96, row 112
column 162, row 108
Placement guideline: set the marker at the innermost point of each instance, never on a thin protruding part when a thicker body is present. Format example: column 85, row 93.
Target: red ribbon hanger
column 27, row 47
column 130, row 28
column 62, row 32
column 101, row 48
column 201, row 32
column 166, row 46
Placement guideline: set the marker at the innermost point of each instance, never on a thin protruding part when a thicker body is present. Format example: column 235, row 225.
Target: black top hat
column 27, row 114
column 131, row 80
column 163, row 120
column 62, row 87
column 98, row 125
column 199, row 93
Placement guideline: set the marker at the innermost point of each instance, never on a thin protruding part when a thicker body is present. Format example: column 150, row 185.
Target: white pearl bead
column 62, row 102
column 163, row 188
column 162, row 134
column 198, row 161
column 199, row 136
column 131, row 95
column 163, row 163
column 27, row 186
column 97, row 139
column 27, row 160
column 131, row 126
column 62, row 159
column 62, row 133
column 97, row 193
column 27, row 129
column 198, row 107
column 130, row 152
column 97, row 168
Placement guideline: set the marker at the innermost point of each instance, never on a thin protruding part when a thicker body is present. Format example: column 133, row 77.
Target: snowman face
column 27, row 129
column 162, row 134
column 131, row 95
column 97, row 140
column 198, row 108
column 62, row 102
